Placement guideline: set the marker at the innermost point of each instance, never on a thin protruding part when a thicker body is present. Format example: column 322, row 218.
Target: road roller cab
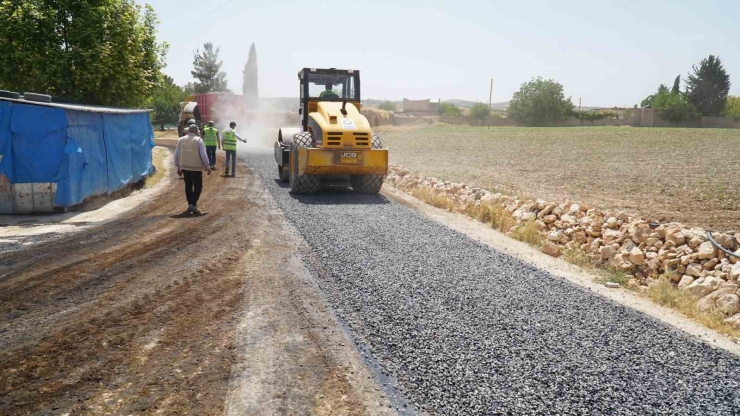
column 334, row 141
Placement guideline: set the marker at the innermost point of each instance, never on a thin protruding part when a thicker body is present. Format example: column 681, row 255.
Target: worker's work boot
column 233, row 174
column 195, row 210
column 226, row 172
column 191, row 208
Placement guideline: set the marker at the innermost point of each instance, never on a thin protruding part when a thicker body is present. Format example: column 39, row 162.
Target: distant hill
column 468, row 104
column 291, row 103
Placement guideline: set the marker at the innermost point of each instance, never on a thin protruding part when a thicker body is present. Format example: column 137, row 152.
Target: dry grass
column 439, row 201
column 686, row 175
column 167, row 134
column 527, row 232
column 664, row 293
column 577, row 257
column 158, row 160
column 604, row 272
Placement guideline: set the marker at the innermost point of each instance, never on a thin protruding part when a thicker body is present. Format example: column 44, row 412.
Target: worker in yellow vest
column 230, row 137
column 212, row 141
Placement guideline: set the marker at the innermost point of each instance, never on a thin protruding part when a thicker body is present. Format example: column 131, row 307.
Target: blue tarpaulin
column 86, row 151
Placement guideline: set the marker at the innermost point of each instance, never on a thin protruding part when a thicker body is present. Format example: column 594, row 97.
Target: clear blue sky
column 607, row 52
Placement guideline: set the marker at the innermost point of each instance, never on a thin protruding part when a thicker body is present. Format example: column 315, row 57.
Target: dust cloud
column 258, row 127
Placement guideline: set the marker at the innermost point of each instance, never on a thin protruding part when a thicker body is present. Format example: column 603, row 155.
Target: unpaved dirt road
column 155, row 313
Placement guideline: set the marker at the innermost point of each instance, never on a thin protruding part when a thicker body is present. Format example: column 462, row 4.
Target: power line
column 216, row 9
column 184, row 10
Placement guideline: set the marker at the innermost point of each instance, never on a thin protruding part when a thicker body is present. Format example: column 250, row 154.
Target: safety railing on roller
column 719, row 247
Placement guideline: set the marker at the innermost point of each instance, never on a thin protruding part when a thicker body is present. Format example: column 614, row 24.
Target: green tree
column 539, row 102
column 732, row 109
column 188, row 89
column 677, row 107
column 166, row 103
column 250, row 88
column 649, row 101
column 207, row 71
column 448, row 109
column 479, row 111
column 672, row 105
column 101, row 52
column 387, row 106
column 676, row 85
column 708, row 86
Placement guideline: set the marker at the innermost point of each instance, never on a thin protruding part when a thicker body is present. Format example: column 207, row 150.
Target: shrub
column 479, row 111
column 447, row 109
column 732, row 109
column 595, row 115
column 387, row 106
column 678, row 108
column 539, row 103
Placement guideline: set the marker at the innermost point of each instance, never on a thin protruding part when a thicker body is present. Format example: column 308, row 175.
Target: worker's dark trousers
column 231, row 156
column 211, row 152
column 193, row 185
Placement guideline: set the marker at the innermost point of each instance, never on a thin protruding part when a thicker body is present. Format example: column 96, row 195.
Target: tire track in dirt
column 146, row 314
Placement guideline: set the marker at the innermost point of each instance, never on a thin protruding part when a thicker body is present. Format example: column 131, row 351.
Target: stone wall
column 643, row 249
column 720, row 122
column 644, row 117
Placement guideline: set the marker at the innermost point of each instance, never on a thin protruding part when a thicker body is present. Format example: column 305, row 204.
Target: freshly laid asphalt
column 468, row 330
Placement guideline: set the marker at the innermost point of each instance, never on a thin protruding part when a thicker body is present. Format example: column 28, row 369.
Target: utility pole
column 579, row 111
column 490, row 97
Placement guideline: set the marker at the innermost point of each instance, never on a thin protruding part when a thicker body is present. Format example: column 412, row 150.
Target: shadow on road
column 340, row 196
column 186, row 214
column 282, row 184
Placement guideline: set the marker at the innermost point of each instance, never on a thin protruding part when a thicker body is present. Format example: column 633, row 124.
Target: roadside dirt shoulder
column 160, row 312
column 560, row 268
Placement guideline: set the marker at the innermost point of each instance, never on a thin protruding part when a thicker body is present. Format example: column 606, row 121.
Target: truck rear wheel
column 302, row 184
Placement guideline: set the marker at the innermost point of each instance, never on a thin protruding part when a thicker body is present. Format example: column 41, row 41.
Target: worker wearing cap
column 328, row 92
column 191, row 160
column 230, row 137
column 212, row 141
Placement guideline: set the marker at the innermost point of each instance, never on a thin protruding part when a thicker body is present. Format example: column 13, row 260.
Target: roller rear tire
column 302, row 184
column 366, row 184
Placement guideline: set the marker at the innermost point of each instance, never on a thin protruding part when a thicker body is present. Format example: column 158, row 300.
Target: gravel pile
column 468, row 330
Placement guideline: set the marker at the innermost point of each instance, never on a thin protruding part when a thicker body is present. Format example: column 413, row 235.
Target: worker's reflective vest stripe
column 229, row 140
column 210, row 136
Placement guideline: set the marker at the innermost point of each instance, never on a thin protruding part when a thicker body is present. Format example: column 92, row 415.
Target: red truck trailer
column 219, row 107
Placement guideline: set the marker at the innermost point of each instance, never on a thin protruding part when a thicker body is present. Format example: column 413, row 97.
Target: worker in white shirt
column 191, row 161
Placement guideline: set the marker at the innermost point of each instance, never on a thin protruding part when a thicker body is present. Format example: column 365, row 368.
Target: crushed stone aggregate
column 468, row 330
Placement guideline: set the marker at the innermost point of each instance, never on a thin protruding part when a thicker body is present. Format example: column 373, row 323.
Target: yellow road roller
column 334, row 142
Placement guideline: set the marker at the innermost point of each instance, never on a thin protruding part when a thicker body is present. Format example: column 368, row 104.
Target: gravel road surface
column 469, row 330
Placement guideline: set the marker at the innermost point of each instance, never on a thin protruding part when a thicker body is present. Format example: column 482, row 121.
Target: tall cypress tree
column 708, row 86
column 676, row 85
column 251, row 88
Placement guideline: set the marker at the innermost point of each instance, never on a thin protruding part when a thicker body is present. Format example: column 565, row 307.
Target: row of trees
column 96, row 52
column 706, row 94
column 101, row 52
column 541, row 102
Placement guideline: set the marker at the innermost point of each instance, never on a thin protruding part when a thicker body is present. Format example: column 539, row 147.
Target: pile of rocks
column 642, row 249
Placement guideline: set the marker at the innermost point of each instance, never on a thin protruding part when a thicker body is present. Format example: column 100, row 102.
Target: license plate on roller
column 348, row 158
